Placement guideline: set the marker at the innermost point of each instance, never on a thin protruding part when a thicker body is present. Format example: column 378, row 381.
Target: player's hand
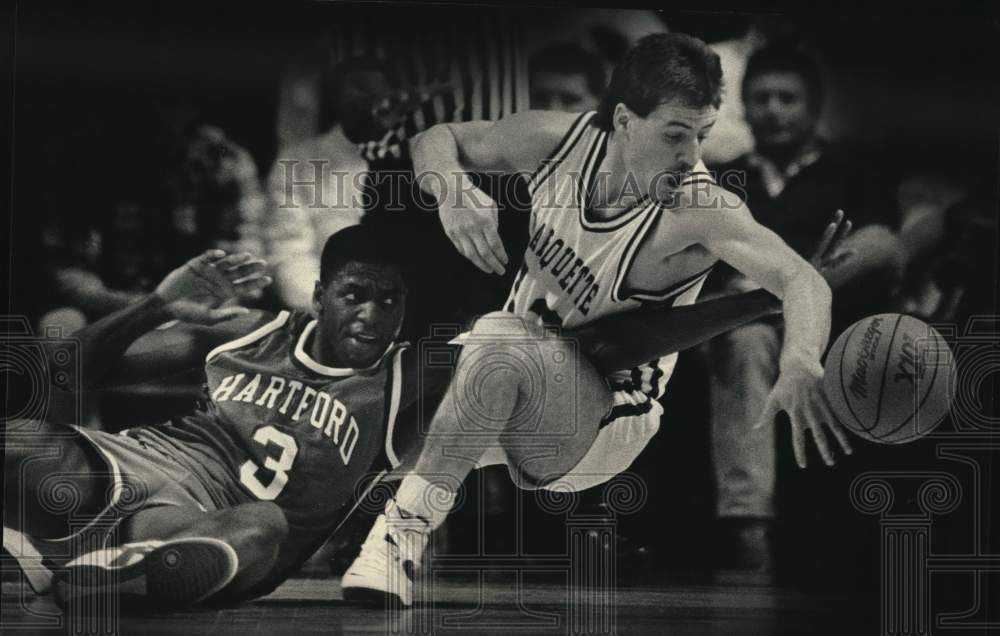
column 196, row 291
column 471, row 221
column 799, row 392
column 830, row 253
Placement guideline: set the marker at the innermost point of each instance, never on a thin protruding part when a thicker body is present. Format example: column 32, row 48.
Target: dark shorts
column 141, row 476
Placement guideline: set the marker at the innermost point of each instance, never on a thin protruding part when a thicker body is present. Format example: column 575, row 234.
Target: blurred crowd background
column 145, row 136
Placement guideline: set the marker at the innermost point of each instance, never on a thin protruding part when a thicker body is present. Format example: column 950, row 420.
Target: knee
column 68, row 320
column 266, row 522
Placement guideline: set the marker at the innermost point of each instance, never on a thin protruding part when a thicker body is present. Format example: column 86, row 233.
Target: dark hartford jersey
column 279, row 426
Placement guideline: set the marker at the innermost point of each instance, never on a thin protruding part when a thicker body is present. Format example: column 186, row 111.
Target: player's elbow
column 809, row 283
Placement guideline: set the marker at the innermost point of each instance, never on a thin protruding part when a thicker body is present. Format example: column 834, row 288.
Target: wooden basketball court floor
column 493, row 603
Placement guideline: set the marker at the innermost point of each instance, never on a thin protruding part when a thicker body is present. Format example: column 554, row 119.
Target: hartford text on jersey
column 319, row 408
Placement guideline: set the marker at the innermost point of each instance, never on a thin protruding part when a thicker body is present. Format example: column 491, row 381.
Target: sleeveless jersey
column 288, row 429
column 575, row 266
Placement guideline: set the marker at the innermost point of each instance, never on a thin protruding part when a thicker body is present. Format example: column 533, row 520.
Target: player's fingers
column 838, row 218
column 253, row 266
column 835, row 427
column 486, row 253
column 845, row 230
column 469, row 251
column 798, row 443
column 841, row 435
column 233, row 260
column 225, row 313
column 824, row 242
column 496, row 245
column 210, row 256
column 252, row 283
column 817, row 418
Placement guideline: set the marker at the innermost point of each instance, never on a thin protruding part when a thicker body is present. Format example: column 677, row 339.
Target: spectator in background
column 565, row 77
column 317, row 186
column 212, row 198
column 218, row 199
column 793, row 183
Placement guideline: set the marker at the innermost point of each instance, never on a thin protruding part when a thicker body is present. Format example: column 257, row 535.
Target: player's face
column 777, row 109
column 360, row 312
column 662, row 148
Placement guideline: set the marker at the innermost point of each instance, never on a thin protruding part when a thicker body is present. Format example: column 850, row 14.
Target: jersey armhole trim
column 558, row 154
column 251, row 337
column 628, row 256
column 394, row 399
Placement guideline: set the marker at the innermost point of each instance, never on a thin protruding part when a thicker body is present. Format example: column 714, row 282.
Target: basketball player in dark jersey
column 225, row 501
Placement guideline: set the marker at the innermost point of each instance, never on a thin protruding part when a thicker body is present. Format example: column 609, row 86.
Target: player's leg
column 171, row 556
column 255, row 531
column 517, row 391
column 55, row 481
column 517, row 397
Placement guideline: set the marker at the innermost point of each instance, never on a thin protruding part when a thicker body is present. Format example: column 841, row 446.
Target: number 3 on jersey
column 279, row 466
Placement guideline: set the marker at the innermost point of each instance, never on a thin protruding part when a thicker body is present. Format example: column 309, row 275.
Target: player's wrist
column 157, row 308
column 799, row 361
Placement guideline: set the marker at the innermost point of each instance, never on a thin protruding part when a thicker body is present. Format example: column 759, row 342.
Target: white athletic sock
column 429, row 501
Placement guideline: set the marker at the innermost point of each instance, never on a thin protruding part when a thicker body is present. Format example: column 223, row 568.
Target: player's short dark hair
column 355, row 244
column 570, row 59
column 786, row 58
column 660, row 68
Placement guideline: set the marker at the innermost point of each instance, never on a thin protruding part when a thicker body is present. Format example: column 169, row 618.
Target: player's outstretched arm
column 730, row 233
column 632, row 338
column 629, row 339
column 193, row 293
column 444, row 153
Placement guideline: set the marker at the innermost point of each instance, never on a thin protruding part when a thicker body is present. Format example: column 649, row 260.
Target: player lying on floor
column 623, row 213
column 227, row 501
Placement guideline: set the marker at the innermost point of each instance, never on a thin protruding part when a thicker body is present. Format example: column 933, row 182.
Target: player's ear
column 622, row 118
column 318, row 298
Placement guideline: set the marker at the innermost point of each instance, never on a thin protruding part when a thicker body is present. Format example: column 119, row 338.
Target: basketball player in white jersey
column 623, row 214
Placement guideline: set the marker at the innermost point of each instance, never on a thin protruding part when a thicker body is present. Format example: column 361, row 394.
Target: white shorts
column 623, row 434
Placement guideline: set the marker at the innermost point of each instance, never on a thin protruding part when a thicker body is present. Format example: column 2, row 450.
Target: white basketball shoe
column 390, row 558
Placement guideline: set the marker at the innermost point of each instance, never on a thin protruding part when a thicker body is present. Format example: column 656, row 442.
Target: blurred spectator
column 475, row 59
column 731, row 136
column 208, row 196
column 793, row 183
column 565, row 77
column 218, row 199
column 317, row 186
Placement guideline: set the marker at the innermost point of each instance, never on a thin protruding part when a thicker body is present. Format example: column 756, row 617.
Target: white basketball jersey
column 575, row 266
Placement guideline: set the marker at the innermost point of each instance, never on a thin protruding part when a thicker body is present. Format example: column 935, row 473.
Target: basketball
column 890, row 378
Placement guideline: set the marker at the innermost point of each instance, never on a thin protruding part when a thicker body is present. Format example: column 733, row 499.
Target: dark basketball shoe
column 148, row 575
